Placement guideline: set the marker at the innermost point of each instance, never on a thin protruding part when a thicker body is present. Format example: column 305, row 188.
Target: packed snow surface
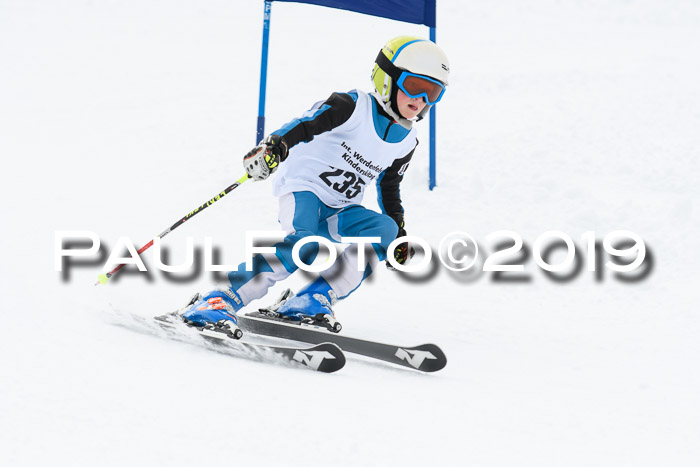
column 575, row 116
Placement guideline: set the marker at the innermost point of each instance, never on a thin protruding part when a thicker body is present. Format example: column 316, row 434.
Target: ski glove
column 402, row 253
column 265, row 158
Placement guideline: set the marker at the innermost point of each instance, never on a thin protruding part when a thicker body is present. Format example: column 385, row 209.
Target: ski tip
column 427, row 357
column 326, row 357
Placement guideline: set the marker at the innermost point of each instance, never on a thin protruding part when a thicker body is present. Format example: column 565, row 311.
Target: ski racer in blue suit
column 326, row 158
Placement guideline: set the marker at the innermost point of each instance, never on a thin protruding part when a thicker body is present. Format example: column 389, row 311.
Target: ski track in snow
column 119, row 117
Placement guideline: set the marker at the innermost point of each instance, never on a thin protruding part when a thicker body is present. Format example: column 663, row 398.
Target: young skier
column 326, row 158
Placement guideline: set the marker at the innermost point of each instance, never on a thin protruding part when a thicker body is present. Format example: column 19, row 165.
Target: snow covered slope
column 119, row 117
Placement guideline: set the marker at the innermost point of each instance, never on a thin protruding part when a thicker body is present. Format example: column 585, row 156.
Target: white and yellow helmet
column 411, row 54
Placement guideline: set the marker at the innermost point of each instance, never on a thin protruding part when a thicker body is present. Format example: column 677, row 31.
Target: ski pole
column 103, row 278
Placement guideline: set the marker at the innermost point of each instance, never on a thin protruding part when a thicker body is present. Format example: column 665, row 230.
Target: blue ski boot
column 312, row 306
column 215, row 311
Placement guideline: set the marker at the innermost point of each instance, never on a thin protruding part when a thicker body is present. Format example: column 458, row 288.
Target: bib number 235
column 343, row 182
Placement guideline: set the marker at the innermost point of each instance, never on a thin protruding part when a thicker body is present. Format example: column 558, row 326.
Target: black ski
column 325, row 357
column 426, row 357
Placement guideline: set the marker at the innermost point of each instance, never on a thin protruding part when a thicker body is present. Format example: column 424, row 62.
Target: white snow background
column 120, row 117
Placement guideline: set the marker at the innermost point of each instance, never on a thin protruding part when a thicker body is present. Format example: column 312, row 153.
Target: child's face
column 409, row 106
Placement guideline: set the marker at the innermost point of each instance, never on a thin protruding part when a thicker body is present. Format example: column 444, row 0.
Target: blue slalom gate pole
column 433, row 159
column 263, row 72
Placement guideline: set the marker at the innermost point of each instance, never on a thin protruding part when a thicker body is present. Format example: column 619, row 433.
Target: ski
column 426, row 357
column 325, row 357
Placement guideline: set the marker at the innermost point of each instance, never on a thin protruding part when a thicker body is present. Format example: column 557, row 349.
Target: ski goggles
column 414, row 86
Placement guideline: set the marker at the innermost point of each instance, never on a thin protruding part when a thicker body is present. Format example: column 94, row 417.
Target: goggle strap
column 389, row 68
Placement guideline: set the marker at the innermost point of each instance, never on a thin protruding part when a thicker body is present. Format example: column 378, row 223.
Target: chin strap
column 407, row 124
column 423, row 113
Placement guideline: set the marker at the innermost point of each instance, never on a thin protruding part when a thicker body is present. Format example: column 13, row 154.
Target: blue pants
column 302, row 215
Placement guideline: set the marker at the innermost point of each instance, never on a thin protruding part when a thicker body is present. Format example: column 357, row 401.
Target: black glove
column 402, row 253
column 265, row 158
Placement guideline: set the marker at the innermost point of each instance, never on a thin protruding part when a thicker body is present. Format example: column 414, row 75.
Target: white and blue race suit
column 336, row 149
